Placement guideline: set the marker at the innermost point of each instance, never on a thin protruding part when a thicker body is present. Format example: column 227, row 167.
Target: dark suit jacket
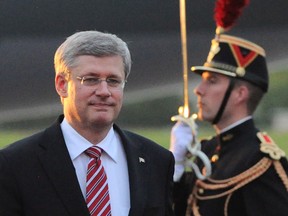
column 37, row 177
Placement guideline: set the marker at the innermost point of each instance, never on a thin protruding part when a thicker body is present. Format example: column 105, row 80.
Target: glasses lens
column 95, row 81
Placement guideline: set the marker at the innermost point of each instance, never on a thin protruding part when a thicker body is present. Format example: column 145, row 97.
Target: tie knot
column 94, row 152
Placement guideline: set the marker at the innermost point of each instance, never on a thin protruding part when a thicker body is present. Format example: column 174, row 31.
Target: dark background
column 54, row 17
column 31, row 31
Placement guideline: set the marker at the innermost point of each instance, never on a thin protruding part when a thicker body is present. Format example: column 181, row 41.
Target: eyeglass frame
column 120, row 84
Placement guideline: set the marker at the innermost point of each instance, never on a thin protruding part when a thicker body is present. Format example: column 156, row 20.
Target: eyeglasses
column 93, row 81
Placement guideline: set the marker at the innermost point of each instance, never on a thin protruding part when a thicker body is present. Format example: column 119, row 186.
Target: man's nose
column 103, row 89
column 196, row 90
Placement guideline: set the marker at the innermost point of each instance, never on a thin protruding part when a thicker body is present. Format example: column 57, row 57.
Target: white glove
column 181, row 138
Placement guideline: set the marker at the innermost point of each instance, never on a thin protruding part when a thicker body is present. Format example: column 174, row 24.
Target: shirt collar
column 235, row 124
column 77, row 144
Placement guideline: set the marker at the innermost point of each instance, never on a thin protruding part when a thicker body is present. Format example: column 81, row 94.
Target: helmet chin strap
column 224, row 101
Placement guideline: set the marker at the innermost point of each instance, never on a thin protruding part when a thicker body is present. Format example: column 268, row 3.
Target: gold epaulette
column 268, row 146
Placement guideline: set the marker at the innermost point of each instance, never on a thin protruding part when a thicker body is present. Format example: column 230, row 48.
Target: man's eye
column 113, row 81
column 212, row 80
column 91, row 80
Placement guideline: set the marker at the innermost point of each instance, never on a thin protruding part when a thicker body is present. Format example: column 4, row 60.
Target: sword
column 184, row 111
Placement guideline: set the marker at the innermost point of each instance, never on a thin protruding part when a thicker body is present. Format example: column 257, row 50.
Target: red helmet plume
column 226, row 13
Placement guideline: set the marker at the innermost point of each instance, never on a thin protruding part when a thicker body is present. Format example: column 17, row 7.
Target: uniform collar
column 243, row 126
column 235, row 124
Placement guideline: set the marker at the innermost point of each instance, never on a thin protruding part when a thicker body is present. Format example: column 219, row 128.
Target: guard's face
column 210, row 93
column 90, row 103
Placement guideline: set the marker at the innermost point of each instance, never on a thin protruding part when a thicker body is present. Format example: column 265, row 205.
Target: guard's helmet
column 236, row 57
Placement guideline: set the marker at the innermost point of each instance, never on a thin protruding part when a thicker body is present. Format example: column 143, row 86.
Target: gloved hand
column 181, row 137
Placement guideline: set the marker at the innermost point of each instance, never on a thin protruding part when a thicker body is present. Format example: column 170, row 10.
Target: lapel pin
column 141, row 160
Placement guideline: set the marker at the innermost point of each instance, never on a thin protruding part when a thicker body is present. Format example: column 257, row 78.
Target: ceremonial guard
column 249, row 170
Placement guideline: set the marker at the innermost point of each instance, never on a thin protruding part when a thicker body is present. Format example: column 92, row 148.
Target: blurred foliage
column 10, row 136
column 157, row 112
column 275, row 98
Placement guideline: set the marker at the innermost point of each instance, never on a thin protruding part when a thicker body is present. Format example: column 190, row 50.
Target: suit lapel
column 56, row 162
column 138, row 168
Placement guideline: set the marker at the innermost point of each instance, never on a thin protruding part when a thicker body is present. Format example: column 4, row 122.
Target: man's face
column 210, row 93
column 95, row 106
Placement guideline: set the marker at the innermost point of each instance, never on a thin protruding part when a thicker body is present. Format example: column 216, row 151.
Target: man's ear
column 242, row 93
column 61, row 85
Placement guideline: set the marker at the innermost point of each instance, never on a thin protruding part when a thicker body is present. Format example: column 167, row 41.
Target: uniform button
column 201, row 190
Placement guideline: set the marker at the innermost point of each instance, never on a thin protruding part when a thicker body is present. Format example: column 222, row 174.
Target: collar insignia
column 227, row 137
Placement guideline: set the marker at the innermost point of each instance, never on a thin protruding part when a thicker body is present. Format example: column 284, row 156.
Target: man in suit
column 45, row 174
column 249, row 171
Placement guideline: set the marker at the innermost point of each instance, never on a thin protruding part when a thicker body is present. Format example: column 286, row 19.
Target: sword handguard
column 195, row 148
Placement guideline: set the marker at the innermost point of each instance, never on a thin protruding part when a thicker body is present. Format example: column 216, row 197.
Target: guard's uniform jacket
column 249, row 177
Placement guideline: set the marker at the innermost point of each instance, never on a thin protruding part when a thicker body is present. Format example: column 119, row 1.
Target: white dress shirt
column 113, row 159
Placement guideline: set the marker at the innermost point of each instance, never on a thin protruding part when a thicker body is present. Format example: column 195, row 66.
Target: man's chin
column 203, row 117
column 104, row 119
column 200, row 116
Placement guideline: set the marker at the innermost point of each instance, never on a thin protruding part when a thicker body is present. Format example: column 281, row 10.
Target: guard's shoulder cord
column 231, row 184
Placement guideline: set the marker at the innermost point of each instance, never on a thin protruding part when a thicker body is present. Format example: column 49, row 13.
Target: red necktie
column 97, row 194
